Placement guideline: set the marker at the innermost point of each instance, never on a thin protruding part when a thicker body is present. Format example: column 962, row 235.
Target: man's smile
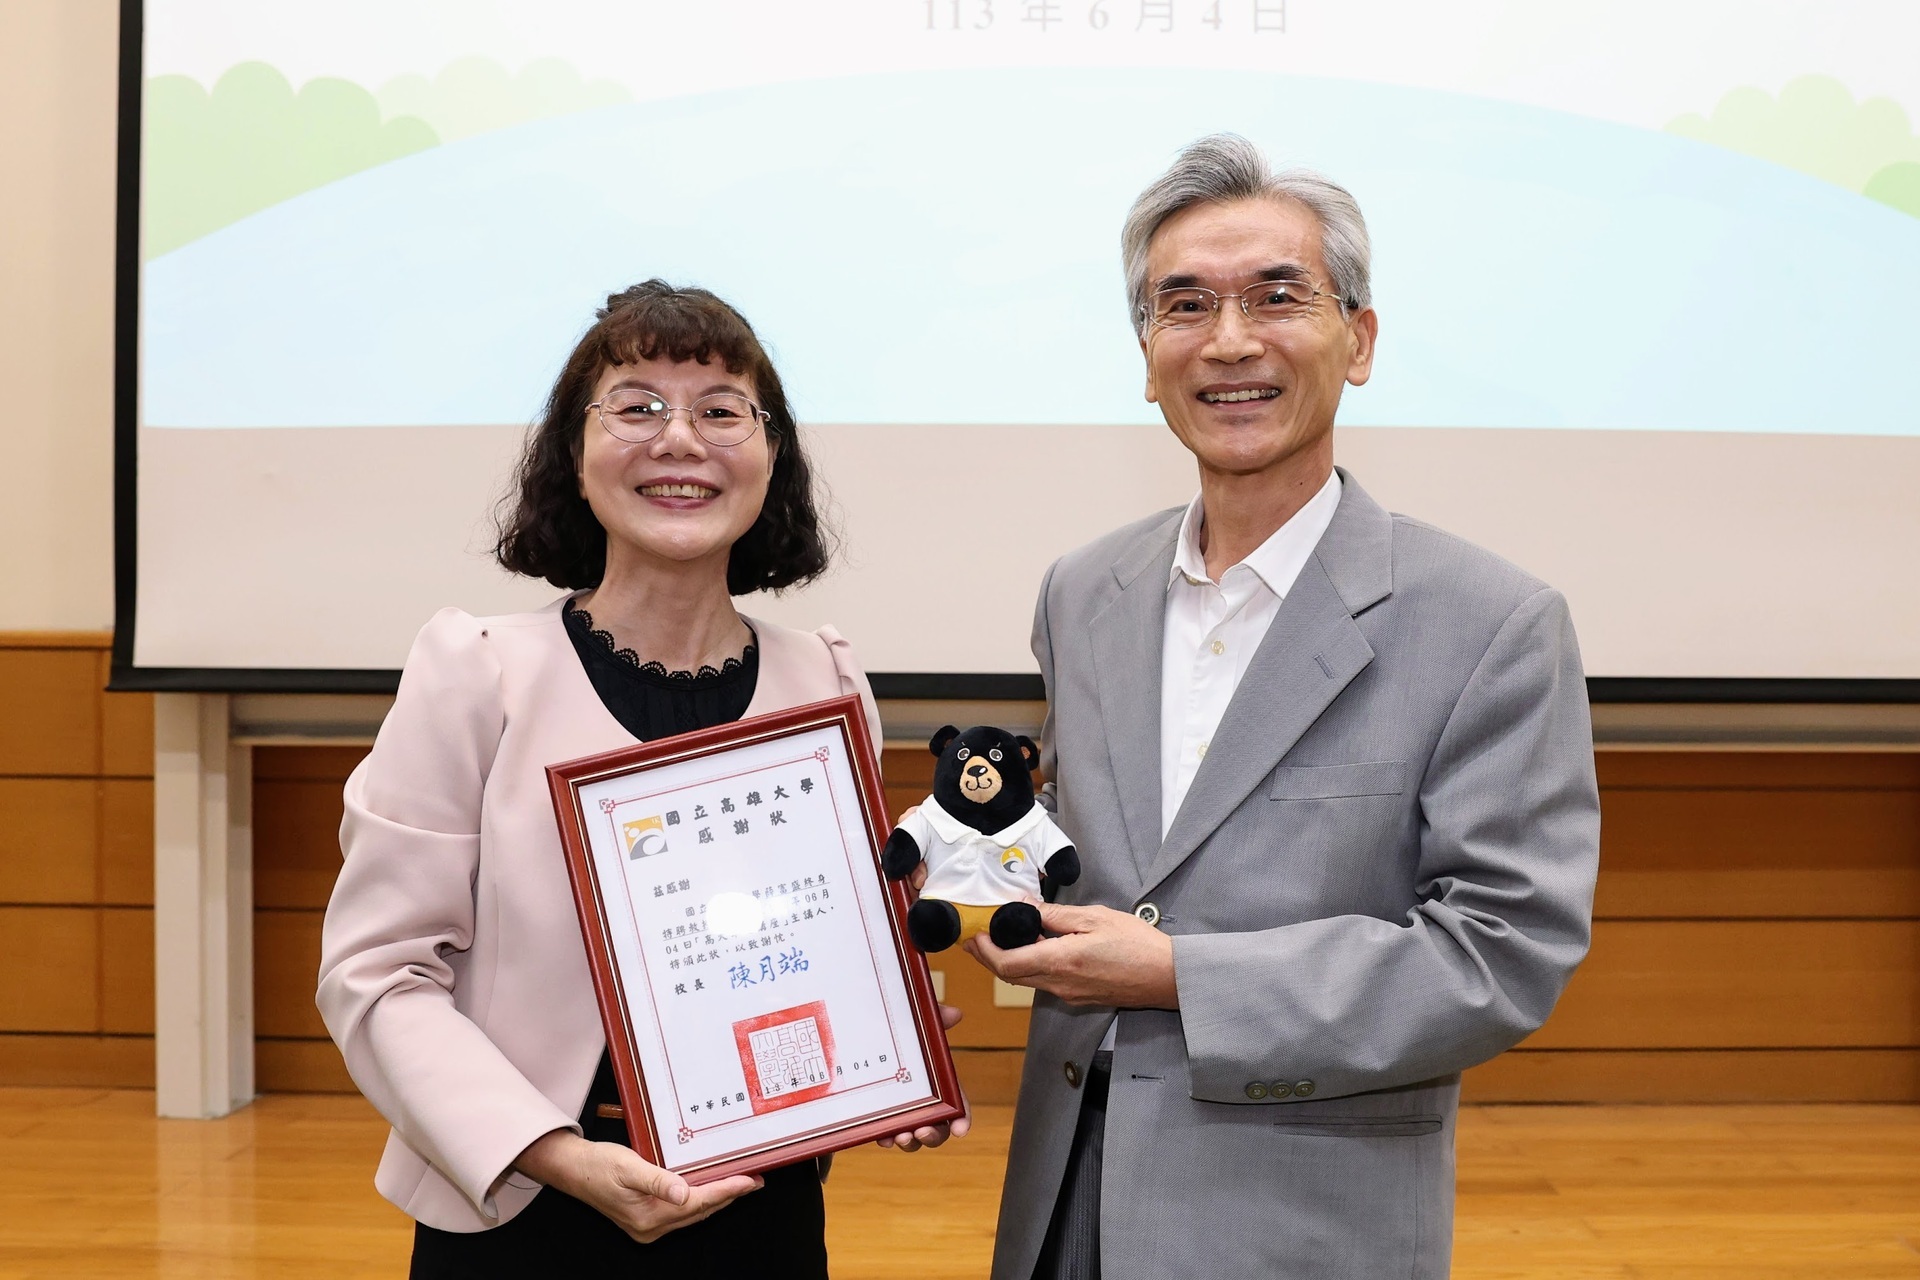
column 1240, row 395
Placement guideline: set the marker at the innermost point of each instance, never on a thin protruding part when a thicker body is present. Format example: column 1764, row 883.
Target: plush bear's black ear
column 941, row 737
column 1028, row 752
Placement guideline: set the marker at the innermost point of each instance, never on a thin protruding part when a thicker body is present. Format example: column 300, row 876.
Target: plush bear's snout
column 980, row 780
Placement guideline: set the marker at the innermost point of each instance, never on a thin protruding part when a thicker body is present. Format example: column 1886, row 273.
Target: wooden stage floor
column 91, row 1185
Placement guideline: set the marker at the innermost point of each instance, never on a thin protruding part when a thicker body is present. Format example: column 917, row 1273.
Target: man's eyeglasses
column 1269, row 302
column 636, row 415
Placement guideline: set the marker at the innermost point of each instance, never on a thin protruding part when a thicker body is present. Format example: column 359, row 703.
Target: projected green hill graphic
column 953, row 259
column 1815, row 126
column 213, row 156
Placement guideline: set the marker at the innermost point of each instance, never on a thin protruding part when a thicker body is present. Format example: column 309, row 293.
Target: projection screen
column 1646, row 279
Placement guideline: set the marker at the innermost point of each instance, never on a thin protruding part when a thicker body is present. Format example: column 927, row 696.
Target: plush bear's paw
column 1017, row 924
column 1062, row 869
column 933, row 925
column 900, row 856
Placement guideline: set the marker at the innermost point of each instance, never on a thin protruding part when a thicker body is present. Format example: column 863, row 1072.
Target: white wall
column 58, row 88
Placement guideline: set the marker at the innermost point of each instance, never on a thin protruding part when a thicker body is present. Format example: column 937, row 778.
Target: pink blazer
column 452, row 974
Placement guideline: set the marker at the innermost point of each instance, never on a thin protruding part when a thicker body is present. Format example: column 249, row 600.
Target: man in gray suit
column 1330, row 772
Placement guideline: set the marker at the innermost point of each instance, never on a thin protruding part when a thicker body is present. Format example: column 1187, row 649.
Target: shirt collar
column 951, row 830
column 1278, row 560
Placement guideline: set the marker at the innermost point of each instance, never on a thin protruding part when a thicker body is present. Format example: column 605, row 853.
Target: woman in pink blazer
column 665, row 477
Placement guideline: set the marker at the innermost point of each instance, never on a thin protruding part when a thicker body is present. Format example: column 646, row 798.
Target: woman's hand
column 933, row 1135
column 642, row 1199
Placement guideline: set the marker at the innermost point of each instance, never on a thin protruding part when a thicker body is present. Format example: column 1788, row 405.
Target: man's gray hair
column 1223, row 167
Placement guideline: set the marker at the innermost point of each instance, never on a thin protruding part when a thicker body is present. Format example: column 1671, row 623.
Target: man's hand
column 934, row 1134
column 1102, row 956
column 642, row 1199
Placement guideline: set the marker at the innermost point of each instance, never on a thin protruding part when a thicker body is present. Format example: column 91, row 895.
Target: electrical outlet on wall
column 1008, row 996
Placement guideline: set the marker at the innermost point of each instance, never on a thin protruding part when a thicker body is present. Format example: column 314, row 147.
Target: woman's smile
column 677, row 494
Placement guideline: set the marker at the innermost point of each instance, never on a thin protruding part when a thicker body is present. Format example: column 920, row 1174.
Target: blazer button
column 1072, row 1073
column 1148, row 912
column 1256, row 1091
column 1279, row 1089
column 1302, row 1090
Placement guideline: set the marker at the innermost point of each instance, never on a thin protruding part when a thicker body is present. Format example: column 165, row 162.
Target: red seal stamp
column 787, row 1056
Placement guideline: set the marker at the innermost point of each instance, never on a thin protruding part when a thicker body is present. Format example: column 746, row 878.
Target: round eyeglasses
column 636, row 415
column 1268, row 302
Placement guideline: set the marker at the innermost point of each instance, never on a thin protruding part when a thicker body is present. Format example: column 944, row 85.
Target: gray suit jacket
column 1383, row 874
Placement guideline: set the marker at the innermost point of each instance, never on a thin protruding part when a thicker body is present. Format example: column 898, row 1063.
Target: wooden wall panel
column 1799, row 852
column 296, row 823
column 1833, row 893
column 300, row 1065
column 296, row 857
column 1758, row 917
column 296, row 841
column 50, row 712
column 126, row 970
column 126, row 731
column 908, row 776
column 969, row 987
column 50, row 959
column 1717, row 1075
column 76, row 978
column 1787, row 834
column 76, row 1062
column 1787, row 829
column 1742, row 984
column 1758, row 770
column 286, row 967
column 313, row 764
column 989, row 1077
column 126, row 841
column 49, row 839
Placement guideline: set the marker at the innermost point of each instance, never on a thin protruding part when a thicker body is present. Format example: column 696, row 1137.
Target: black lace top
column 648, row 700
column 651, row 702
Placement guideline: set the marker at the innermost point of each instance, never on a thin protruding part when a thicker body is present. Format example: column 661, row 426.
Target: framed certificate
column 762, row 1004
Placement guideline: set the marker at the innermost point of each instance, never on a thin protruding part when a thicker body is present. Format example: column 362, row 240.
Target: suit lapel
column 1312, row 651
column 1126, row 643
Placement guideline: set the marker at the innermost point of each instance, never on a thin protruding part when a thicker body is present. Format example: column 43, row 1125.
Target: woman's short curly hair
column 547, row 530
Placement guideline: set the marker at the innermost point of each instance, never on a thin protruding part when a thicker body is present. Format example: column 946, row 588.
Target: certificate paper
column 760, row 1001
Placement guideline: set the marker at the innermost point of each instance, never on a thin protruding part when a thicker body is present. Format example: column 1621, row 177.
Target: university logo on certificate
column 760, row 1000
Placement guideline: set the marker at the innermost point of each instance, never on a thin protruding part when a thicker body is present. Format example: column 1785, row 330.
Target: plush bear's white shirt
column 972, row 869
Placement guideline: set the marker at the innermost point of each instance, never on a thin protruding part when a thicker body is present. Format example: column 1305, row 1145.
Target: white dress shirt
column 1211, row 632
column 1213, row 628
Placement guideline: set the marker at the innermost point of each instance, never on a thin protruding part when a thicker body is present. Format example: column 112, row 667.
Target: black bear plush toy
column 992, row 852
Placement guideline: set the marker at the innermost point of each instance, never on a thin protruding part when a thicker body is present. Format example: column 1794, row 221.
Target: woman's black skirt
column 777, row 1230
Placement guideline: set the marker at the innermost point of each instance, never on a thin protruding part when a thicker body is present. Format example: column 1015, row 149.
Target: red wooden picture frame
column 643, row 1126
